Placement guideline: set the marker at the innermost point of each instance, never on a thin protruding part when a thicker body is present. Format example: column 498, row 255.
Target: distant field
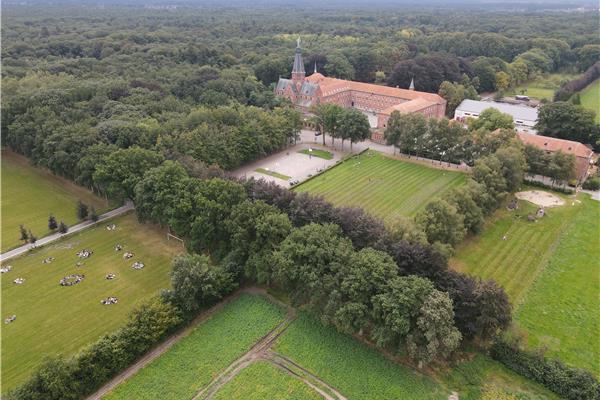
column 383, row 186
column 543, row 87
column 264, row 381
column 197, row 359
column 590, row 98
column 30, row 194
column 560, row 311
column 354, row 369
column 550, row 271
column 54, row 319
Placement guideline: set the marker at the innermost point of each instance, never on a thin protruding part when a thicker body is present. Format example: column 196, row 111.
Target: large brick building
column 375, row 100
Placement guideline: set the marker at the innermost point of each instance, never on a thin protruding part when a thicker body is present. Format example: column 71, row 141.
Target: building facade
column 374, row 100
column 524, row 117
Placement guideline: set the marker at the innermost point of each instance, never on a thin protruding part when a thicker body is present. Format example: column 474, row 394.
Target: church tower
column 298, row 73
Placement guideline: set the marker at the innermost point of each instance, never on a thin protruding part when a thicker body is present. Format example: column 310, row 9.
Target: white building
column 524, row 117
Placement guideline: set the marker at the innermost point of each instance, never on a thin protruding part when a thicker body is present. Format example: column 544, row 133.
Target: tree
column 51, row 223
column 196, row 283
column 462, row 199
column 565, row 120
column 269, row 70
column 82, row 210
column 353, row 125
column 455, row 93
column 502, row 81
column 327, row 117
column 494, row 309
column 405, row 229
column 513, row 166
column 428, row 71
column 489, row 173
column 32, row 238
column 434, row 335
column 63, row 228
column 491, row 119
column 23, row 233
column 441, row 222
column 93, row 215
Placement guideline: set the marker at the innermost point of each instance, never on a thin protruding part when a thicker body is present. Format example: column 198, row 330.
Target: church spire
column 412, row 84
column 298, row 73
column 315, row 68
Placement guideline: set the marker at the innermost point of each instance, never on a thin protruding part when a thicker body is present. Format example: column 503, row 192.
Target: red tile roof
column 553, row 144
column 410, row 106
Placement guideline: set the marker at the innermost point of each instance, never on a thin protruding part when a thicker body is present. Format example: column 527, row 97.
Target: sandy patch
column 540, row 198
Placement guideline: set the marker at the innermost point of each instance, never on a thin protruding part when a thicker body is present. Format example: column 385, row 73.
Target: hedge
column 571, row 383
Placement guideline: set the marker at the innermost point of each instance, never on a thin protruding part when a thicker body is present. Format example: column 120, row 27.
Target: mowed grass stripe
column 198, row 358
column 382, row 185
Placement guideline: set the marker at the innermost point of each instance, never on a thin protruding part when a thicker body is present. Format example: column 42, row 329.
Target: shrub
column 592, row 183
column 572, row 383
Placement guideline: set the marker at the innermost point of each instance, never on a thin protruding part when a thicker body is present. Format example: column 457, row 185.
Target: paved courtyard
column 289, row 162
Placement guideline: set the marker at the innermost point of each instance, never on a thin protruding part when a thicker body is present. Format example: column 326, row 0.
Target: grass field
column 382, row 185
column 324, row 154
column 264, row 381
column 590, row 98
column 193, row 362
column 272, row 173
column 550, row 270
column 561, row 309
column 354, row 369
column 542, row 87
column 30, row 194
column 56, row 319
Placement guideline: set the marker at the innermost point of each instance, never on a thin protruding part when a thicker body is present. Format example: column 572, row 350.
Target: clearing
column 549, row 269
column 542, row 87
column 30, row 195
column 55, row 319
column 197, row 359
column 540, row 198
column 382, row 185
column 590, row 98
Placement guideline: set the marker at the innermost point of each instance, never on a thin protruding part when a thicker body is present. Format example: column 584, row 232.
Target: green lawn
column 550, row 271
column 383, row 186
column 193, row 362
column 560, row 311
column 590, row 98
column 30, row 195
column 55, row 319
column 318, row 153
column 264, row 381
column 272, row 173
column 355, row 370
column 542, row 87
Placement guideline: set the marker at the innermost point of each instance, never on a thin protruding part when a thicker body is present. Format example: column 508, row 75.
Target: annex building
column 377, row 101
column 524, row 117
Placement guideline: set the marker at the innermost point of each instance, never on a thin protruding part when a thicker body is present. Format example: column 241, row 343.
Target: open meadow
column 193, row 362
column 51, row 318
column 543, row 87
column 264, row 381
column 549, row 269
column 590, row 98
column 382, row 185
column 30, row 195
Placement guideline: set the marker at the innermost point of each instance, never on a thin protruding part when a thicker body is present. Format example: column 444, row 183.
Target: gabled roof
column 409, row 106
column 553, row 144
column 523, row 113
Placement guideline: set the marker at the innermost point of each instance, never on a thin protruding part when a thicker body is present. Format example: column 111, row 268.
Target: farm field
column 560, row 311
column 382, row 185
column 198, row 358
column 30, row 194
column 354, row 369
column 590, row 98
column 55, row 319
column 543, row 87
column 264, row 381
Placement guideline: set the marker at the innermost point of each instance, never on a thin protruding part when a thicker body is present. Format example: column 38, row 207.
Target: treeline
column 576, row 85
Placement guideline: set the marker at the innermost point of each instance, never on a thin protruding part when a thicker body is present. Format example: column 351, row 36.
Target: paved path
column 72, row 229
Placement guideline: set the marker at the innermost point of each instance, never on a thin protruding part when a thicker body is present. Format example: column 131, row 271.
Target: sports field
column 30, row 195
column 383, row 186
column 55, row 319
column 264, row 381
column 550, row 270
column 590, row 98
column 197, row 359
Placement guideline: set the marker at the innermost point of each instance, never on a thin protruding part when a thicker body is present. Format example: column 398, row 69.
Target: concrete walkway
column 72, row 229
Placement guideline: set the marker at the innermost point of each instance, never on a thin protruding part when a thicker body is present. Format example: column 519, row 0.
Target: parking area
column 289, row 165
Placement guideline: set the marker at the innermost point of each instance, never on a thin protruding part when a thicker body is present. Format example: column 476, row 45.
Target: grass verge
column 273, row 174
column 324, row 154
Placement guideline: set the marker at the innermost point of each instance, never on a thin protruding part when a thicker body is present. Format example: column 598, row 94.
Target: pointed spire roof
column 315, row 68
column 412, row 84
column 298, row 63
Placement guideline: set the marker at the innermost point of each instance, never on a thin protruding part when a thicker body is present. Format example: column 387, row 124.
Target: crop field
column 560, row 311
column 30, row 195
column 61, row 319
column 264, row 381
column 590, row 98
column 383, row 186
column 550, row 271
column 354, row 369
column 198, row 358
